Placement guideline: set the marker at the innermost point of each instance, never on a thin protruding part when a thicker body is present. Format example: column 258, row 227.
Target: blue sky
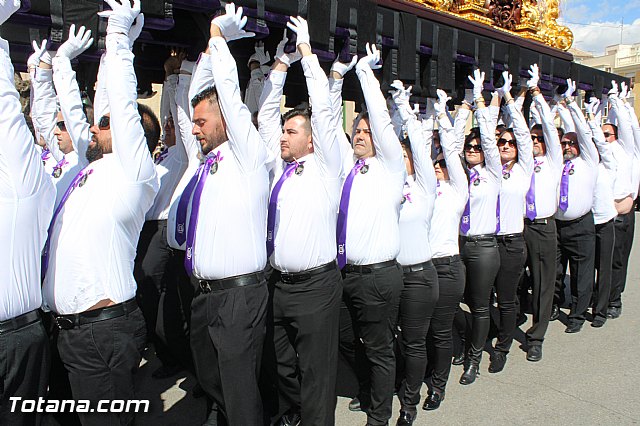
column 596, row 24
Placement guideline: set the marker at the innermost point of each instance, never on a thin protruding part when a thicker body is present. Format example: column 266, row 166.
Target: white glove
column 534, row 76
column 121, row 15
column 400, row 95
column 614, row 88
column 186, row 67
column 259, row 56
column 624, row 90
column 39, row 54
column 416, row 109
column 571, row 88
column 371, row 59
column 301, row 28
column 478, row 84
column 76, row 43
column 506, row 87
column 231, row 24
column 136, row 29
column 8, row 8
column 592, row 105
column 441, row 104
column 286, row 58
column 342, row 68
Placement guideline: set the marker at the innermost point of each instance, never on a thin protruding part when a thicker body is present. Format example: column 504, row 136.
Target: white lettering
column 13, row 400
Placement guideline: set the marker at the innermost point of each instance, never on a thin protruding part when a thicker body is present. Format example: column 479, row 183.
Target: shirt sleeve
column 588, row 150
column 127, row 135
column 457, row 175
column 64, row 79
column 244, row 139
column 489, row 145
column 421, row 150
column 44, row 111
column 635, row 126
column 459, row 126
column 269, row 113
column 254, row 90
column 385, row 139
column 523, row 139
column 550, row 132
column 603, row 147
column 100, row 100
column 201, row 79
column 565, row 116
column 625, row 131
column 182, row 120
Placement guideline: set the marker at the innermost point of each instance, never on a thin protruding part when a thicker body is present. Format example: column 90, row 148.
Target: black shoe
column 433, row 401
column 534, row 353
column 498, row 360
column 406, row 418
column 354, row 404
column 291, row 420
column 574, row 327
column 166, row 371
column 555, row 313
column 458, row 359
column 614, row 312
column 469, row 375
column 598, row 322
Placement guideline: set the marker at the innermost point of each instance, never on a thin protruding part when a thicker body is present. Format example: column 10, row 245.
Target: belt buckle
column 204, row 286
column 64, row 323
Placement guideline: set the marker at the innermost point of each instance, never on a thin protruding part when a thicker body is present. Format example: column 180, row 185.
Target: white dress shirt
column 373, row 233
column 585, row 170
column 418, row 197
column 254, row 90
column 635, row 169
column 604, row 207
column 483, row 197
column 94, row 238
column 515, row 182
column 26, row 203
column 548, row 167
column 307, row 206
column 622, row 151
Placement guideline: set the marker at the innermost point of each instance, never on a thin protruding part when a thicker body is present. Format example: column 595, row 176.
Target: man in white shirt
column 223, row 212
column 88, row 258
column 26, row 204
column 301, row 238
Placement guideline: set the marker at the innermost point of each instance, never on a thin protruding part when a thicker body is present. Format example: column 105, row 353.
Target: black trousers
column 156, row 271
column 227, row 336
column 624, row 229
column 367, row 336
column 102, row 358
column 542, row 245
column 577, row 245
column 605, row 242
column 417, row 302
column 513, row 255
column 482, row 261
column 24, row 363
column 305, row 338
column 451, row 278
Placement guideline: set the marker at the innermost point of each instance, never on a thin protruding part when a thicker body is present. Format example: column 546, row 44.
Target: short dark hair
column 560, row 132
column 209, row 94
column 537, row 127
column 614, row 127
column 151, row 126
column 474, row 133
column 299, row 112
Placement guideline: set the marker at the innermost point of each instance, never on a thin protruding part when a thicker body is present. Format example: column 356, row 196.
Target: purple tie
column 183, row 206
column 44, row 156
column 273, row 204
column 79, row 180
column 195, row 210
column 162, row 155
column 531, row 194
column 465, row 221
column 564, row 186
column 341, row 234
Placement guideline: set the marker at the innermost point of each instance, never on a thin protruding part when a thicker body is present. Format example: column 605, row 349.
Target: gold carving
column 532, row 19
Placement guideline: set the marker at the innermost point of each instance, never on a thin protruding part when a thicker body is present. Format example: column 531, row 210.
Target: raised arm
column 565, row 117
column 336, row 80
column 603, row 147
column 635, row 126
column 588, row 150
column 487, row 127
column 182, row 120
column 457, row 175
column 43, row 111
column 625, row 131
column 549, row 130
column 523, row 138
column 385, row 140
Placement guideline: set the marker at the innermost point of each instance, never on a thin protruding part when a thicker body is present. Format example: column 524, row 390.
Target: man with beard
column 88, row 257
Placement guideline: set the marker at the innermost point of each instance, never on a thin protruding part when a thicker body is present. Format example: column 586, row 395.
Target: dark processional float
column 428, row 44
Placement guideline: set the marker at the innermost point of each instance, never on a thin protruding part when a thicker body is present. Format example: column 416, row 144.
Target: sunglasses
column 61, row 126
column 472, row 148
column 537, row 138
column 503, row 142
column 570, row 143
column 607, row 134
column 104, row 122
column 441, row 163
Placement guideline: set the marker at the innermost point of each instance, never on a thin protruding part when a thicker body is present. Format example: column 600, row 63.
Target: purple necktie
column 465, row 221
column 44, row 156
column 162, row 155
column 564, row 186
column 531, row 194
column 341, row 234
column 183, row 206
column 273, row 204
column 195, row 209
column 79, row 180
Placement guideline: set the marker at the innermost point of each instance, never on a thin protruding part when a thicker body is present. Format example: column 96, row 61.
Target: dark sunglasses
column 61, row 126
column 104, row 122
column 472, row 148
column 441, row 163
column 570, row 143
column 538, row 138
column 503, row 142
column 607, row 134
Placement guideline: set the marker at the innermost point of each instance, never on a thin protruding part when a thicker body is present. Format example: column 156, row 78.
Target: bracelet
column 568, row 100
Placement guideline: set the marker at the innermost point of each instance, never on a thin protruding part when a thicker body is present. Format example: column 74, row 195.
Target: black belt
column 367, row 269
column 67, row 322
column 541, row 221
column 20, row 321
column 477, row 238
column 207, row 286
column 298, row 277
column 507, row 238
column 417, row 267
column 445, row 260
